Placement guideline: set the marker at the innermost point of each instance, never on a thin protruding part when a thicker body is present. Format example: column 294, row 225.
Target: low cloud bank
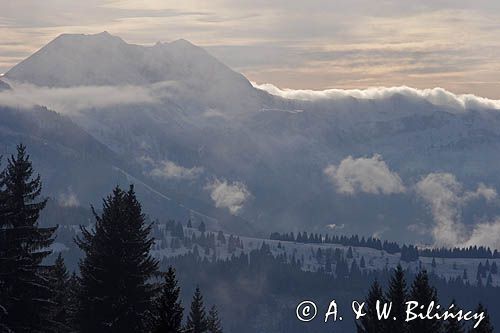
column 74, row 99
column 364, row 175
column 437, row 96
column 230, row 195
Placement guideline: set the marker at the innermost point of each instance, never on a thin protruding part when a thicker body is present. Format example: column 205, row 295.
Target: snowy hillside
column 169, row 244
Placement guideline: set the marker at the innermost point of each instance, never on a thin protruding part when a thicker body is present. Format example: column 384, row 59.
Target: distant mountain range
column 200, row 140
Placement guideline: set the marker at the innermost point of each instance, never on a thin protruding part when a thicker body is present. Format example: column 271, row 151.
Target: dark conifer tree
column 362, row 263
column 214, row 323
column 197, row 319
column 452, row 325
column 371, row 323
column 73, row 301
column 61, row 298
column 423, row 293
column 116, row 295
column 494, row 268
column 349, row 253
column 25, row 283
column 169, row 308
column 397, row 294
column 485, row 326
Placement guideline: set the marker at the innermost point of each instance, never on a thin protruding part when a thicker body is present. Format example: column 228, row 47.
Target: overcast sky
column 454, row 44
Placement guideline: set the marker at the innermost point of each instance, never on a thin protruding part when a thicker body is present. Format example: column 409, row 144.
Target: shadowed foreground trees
column 423, row 293
column 25, row 282
column 117, row 290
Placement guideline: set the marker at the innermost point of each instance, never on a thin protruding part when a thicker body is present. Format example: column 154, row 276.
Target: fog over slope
column 398, row 163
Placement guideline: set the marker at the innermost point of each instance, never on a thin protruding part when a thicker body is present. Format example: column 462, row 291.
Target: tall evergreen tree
column 214, row 323
column 371, row 323
column 423, row 293
column 169, row 316
column 73, row 301
column 61, row 299
column 452, row 325
column 197, row 321
column 485, row 326
column 397, row 294
column 116, row 293
column 25, row 282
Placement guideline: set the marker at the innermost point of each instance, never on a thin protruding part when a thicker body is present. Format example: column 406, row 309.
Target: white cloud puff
column 170, row 170
column 230, row 195
column 68, row 199
column 364, row 175
column 437, row 96
column 446, row 198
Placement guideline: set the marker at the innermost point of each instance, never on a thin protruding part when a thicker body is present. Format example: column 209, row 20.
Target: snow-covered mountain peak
column 103, row 59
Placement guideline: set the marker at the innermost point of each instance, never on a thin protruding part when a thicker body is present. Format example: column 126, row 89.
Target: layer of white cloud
column 367, row 175
column 230, row 195
column 69, row 100
column 437, row 96
column 170, row 170
column 446, row 198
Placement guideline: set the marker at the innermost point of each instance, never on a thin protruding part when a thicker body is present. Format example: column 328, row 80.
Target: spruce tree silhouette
column 485, row 326
column 26, row 291
column 452, row 325
column 397, row 294
column 214, row 323
column 422, row 293
column 116, row 292
column 371, row 323
column 197, row 321
column 169, row 308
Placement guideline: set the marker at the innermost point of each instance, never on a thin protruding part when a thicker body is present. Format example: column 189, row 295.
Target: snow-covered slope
column 168, row 246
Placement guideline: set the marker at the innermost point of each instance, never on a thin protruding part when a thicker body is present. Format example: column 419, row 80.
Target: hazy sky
column 453, row 44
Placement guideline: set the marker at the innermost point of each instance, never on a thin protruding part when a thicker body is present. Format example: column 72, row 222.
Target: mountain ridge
column 103, row 59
